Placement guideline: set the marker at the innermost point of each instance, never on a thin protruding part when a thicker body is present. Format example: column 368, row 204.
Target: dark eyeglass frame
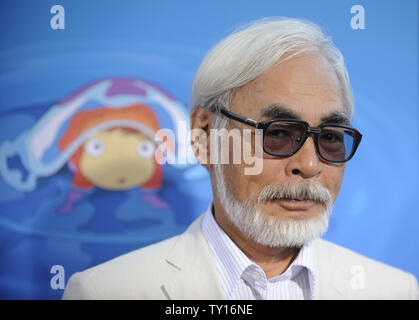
column 313, row 131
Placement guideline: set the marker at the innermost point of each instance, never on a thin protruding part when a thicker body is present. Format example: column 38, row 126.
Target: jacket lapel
column 196, row 274
column 331, row 279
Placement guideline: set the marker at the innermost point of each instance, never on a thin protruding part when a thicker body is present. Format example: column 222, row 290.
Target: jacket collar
column 196, row 273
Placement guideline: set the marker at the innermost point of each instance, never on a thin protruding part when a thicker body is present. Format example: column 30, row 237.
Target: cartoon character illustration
column 118, row 158
column 107, row 133
column 81, row 181
column 101, row 110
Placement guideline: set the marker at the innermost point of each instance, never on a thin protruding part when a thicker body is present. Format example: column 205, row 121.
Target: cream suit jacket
column 183, row 267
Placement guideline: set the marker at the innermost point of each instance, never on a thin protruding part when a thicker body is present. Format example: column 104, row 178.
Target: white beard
column 271, row 231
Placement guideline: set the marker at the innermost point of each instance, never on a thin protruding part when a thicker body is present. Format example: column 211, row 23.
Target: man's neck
column 273, row 261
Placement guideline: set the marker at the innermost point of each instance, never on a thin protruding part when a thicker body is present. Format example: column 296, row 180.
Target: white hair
column 273, row 231
column 248, row 53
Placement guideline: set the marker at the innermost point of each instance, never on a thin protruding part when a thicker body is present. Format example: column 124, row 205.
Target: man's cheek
column 336, row 179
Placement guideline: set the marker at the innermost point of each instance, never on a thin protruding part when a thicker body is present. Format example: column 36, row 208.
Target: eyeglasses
column 284, row 137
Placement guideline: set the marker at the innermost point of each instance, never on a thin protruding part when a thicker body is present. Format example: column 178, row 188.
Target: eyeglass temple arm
column 237, row 117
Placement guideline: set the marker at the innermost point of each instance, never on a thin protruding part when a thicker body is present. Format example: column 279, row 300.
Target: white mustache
column 313, row 191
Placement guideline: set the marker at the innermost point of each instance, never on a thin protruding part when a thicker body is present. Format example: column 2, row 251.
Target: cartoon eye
column 94, row 147
column 145, row 149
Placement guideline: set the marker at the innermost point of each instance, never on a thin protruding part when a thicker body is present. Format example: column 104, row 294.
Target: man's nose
column 305, row 162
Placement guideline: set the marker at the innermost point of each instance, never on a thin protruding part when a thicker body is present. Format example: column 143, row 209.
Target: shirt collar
column 230, row 260
column 233, row 264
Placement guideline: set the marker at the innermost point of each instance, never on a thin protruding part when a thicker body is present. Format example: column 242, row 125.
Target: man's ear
column 201, row 119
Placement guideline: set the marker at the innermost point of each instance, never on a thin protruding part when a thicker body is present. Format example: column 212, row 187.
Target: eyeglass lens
column 284, row 138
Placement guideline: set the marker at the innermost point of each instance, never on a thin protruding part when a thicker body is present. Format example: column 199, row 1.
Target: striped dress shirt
column 242, row 279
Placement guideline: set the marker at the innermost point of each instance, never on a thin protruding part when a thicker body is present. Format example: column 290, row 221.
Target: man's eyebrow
column 336, row 117
column 284, row 112
column 279, row 111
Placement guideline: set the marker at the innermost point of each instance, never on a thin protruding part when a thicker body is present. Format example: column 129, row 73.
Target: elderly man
column 259, row 239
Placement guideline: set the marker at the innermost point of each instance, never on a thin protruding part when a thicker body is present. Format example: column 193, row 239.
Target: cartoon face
column 118, row 159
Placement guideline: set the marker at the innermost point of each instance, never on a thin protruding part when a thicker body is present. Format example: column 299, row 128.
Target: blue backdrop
column 46, row 219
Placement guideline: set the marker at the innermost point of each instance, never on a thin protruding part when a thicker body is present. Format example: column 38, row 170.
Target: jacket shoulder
column 126, row 276
column 356, row 276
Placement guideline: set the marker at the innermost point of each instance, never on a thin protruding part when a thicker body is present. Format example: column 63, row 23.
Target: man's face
column 308, row 87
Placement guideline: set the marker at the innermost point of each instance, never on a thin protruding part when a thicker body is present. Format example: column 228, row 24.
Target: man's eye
column 276, row 133
column 332, row 137
column 279, row 133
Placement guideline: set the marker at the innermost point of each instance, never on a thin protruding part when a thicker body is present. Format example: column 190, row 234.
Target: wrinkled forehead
column 304, row 87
